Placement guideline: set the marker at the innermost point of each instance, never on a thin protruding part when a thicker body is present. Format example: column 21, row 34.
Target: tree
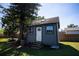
column 18, row 16
column 72, row 26
column 40, row 17
column 9, row 22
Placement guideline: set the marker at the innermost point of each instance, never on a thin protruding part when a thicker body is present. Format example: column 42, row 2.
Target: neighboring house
column 44, row 31
column 70, row 34
column 74, row 30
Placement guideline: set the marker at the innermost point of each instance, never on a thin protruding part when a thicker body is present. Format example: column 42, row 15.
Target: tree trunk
column 21, row 35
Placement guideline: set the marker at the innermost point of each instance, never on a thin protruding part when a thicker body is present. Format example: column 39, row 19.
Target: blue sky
column 68, row 13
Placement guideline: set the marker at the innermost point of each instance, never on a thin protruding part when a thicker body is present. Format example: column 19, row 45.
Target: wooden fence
column 62, row 37
column 68, row 37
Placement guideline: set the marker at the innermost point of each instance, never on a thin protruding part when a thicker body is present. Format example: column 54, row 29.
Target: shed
column 44, row 31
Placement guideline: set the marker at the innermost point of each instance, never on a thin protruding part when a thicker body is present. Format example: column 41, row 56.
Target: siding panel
column 49, row 38
column 31, row 36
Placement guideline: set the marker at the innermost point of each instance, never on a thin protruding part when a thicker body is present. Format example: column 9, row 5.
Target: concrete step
column 35, row 48
column 36, row 45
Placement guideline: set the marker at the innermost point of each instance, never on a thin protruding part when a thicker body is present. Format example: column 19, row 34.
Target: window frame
column 50, row 30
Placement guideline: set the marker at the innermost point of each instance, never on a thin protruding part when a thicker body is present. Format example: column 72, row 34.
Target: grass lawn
column 75, row 45
column 3, row 40
column 66, row 49
column 1, row 31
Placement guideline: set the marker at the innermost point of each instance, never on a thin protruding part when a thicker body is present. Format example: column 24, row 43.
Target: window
column 49, row 28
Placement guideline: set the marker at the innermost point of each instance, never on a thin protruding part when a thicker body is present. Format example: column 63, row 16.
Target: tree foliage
column 72, row 26
column 17, row 18
column 40, row 17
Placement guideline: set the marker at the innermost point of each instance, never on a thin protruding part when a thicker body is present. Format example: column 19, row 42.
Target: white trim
column 57, row 33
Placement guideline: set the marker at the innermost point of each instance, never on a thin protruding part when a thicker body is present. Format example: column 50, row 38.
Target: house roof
column 72, row 29
column 46, row 21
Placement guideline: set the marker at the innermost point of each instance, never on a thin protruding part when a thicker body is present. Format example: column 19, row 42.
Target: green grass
column 75, row 45
column 66, row 49
column 3, row 40
column 1, row 31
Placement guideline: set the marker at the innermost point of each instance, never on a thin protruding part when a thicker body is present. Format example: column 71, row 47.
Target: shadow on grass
column 6, row 50
column 64, row 50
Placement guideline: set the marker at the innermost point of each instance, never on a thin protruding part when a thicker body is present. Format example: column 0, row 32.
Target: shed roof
column 46, row 21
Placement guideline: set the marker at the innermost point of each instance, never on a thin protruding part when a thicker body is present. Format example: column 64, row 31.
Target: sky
column 68, row 12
